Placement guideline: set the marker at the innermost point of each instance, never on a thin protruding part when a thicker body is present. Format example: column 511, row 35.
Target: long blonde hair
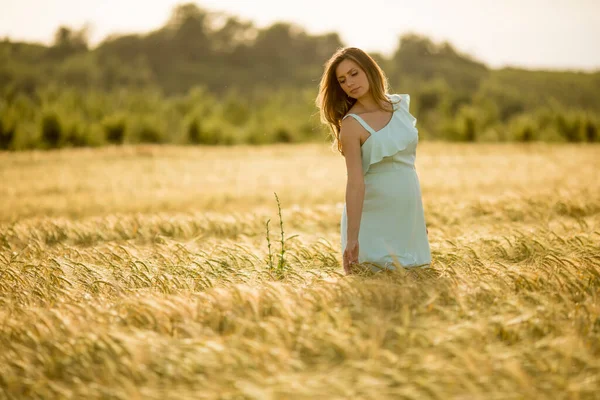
column 332, row 101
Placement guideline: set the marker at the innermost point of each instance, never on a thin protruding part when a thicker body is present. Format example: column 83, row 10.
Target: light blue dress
column 392, row 227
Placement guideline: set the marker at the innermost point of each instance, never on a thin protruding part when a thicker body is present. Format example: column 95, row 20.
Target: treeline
column 195, row 47
column 212, row 78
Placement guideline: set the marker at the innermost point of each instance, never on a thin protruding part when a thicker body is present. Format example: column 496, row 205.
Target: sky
column 534, row 34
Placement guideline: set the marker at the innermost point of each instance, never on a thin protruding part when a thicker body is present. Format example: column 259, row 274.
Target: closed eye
column 353, row 73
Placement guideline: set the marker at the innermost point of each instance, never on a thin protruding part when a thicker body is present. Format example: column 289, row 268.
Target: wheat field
column 147, row 273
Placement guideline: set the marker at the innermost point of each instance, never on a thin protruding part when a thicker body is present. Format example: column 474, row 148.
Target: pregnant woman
column 382, row 224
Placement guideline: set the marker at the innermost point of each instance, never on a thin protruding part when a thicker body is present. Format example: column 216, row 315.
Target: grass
column 143, row 272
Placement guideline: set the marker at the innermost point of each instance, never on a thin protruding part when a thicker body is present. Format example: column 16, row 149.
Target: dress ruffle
column 404, row 105
column 387, row 142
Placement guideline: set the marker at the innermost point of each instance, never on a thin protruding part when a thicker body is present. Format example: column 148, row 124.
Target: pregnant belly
column 396, row 189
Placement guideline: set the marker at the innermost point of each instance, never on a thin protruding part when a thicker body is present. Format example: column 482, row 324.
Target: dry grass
column 143, row 273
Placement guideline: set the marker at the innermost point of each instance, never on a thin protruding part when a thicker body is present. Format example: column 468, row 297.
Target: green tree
column 418, row 58
column 68, row 41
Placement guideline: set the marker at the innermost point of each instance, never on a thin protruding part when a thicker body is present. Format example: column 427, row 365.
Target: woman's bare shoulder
column 350, row 129
column 349, row 124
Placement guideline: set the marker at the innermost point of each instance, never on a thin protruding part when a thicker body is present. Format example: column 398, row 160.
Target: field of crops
column 146, row 272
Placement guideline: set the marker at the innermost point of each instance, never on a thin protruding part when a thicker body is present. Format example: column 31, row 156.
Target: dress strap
column 362, row 122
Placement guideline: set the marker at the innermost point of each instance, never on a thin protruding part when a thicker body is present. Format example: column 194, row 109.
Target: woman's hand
column 350, row 256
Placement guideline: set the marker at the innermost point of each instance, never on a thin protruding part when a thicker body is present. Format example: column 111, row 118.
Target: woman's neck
column 368, row 103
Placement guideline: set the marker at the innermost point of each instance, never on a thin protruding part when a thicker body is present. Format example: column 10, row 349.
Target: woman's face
column 352, row 79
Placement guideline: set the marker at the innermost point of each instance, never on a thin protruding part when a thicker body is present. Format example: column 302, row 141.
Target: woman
column 377, row 136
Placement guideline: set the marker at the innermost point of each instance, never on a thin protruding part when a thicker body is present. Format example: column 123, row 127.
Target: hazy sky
column 527, row 33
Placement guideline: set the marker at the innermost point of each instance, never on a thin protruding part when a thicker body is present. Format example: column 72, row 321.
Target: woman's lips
column 354, row 90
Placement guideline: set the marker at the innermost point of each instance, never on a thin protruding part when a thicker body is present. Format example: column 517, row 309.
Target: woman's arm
column 355, row 187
